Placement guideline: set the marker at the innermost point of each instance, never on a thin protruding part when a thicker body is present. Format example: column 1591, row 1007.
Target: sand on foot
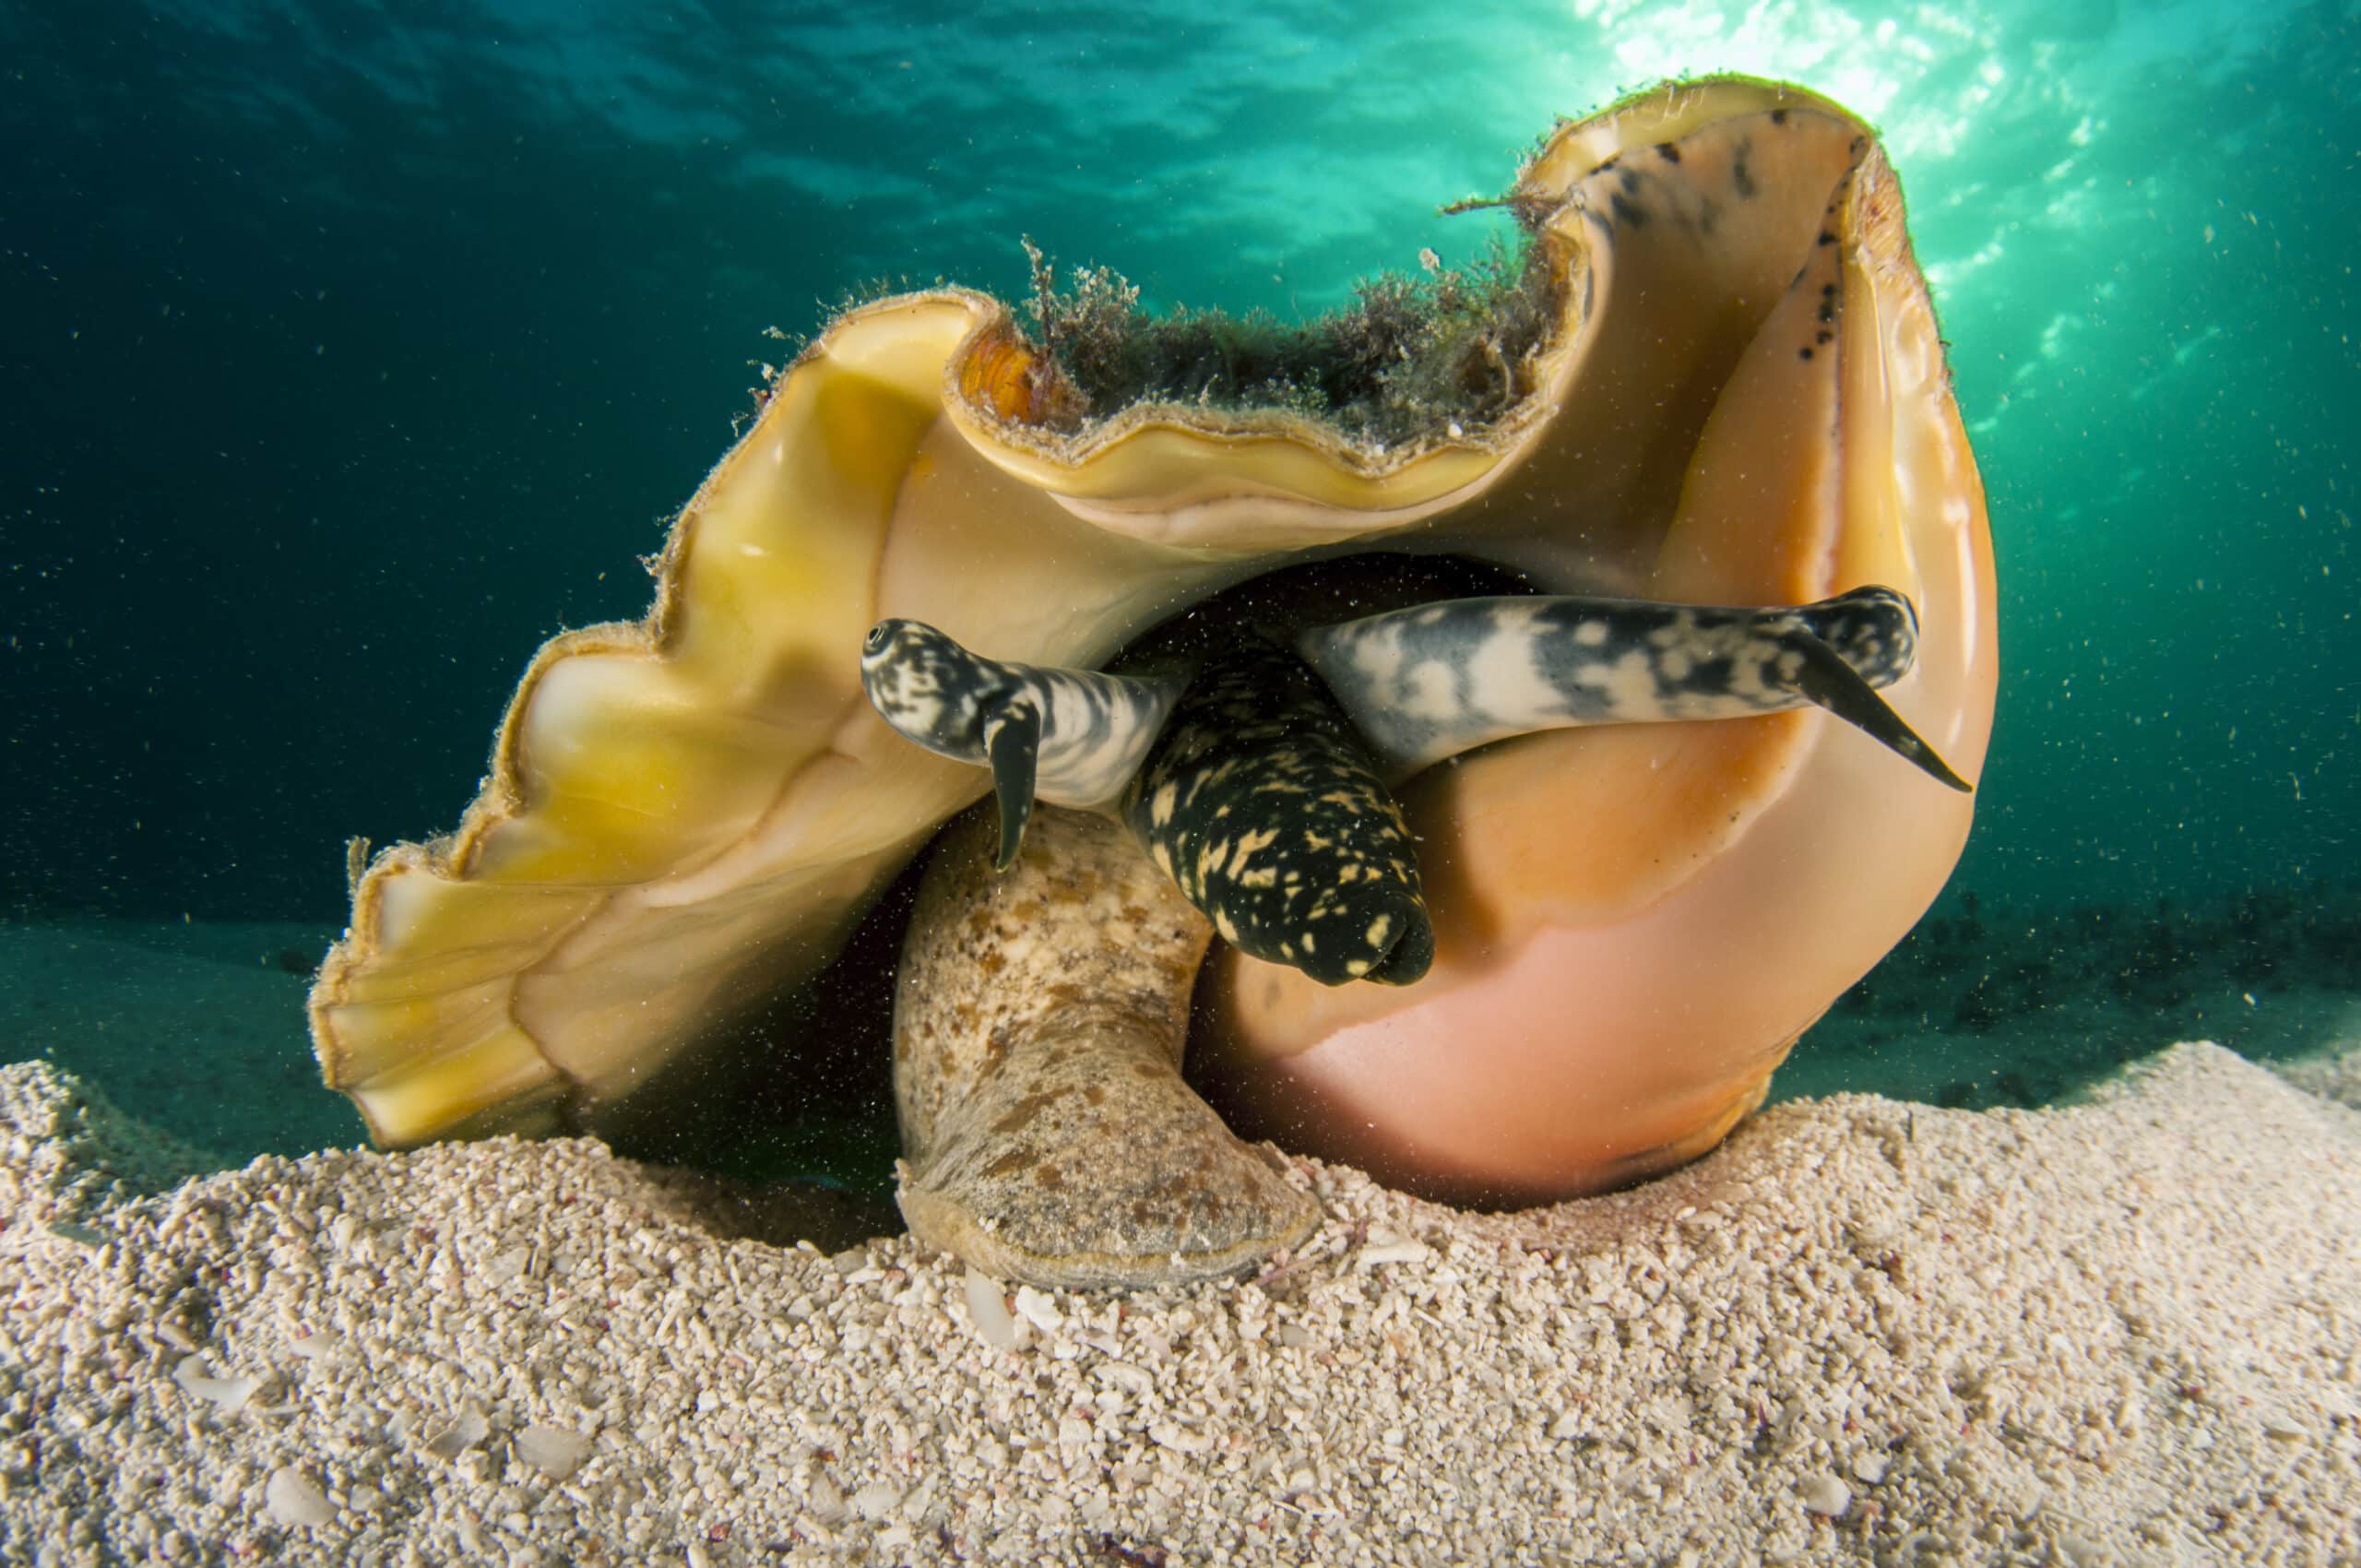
column 2124, row 1332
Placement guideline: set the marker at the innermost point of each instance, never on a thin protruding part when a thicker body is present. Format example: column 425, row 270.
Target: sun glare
column 1920, row 77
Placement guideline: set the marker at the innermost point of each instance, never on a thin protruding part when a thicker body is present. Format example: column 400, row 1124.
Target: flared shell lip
column 1289, row 461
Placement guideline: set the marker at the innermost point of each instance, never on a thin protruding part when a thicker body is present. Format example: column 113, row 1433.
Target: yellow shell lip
column 689, row 813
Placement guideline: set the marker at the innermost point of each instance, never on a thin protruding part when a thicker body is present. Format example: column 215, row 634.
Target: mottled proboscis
column 1266, row 809
column 1258, row 782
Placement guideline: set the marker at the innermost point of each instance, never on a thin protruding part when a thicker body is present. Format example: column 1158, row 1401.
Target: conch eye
column 875, row 641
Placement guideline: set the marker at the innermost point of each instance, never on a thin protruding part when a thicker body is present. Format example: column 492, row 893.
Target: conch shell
column 1738, row 396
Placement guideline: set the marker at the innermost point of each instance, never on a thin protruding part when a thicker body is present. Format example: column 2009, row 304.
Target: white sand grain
column 2123, row 1332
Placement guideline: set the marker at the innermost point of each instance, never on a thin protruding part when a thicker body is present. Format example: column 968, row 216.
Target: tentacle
column 1013, row 740
column 1070, row 737
column 1427, row 682
column 1267, row 811
column 1830, row 680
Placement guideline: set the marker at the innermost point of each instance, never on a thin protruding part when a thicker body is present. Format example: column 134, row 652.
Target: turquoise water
column 352, row 352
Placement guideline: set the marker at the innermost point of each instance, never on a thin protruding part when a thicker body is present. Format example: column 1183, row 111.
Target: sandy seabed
column 2127, row 1331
